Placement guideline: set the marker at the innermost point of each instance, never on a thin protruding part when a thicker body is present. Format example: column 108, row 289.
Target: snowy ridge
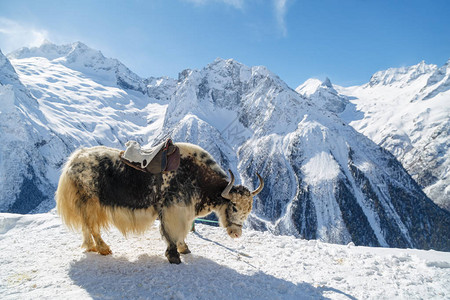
column 401, row 77
column 46, row 262
column 90, row 62
column 438, row 82
column 80, row 57
column 323, row 180
column 406, row 110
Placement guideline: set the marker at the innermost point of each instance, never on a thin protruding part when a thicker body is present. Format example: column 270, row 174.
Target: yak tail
column 68, row 202
column 76, row 208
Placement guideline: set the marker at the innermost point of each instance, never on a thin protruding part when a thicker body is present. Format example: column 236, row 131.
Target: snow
column 309, row 87
column 41, row 259
column 7, row 96
column 406, row 110
column 323, row 95
column 321, row 167
column 76, row 104
column 314, row 165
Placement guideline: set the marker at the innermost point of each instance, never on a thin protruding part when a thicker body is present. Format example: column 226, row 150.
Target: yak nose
column 234, row 233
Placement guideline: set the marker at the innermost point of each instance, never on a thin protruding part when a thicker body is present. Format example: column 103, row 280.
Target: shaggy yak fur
column 96, row 190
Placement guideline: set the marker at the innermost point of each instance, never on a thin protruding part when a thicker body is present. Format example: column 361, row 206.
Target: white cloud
column 279, row 9
column 280, row 14
column 14, row 35
column 235, row 3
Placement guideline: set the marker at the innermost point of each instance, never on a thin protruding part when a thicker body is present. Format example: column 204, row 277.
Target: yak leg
column 93, row 217
column 175, row 225
column 183, row 248
column 171, row 252
column 88, row 242
column 102, row 247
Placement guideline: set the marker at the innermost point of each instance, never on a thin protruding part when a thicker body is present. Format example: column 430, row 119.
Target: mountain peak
column 46, row 42
column 51, row 51
column 81, row 53
column 313, row 85
column 81, row 47
column 323, row 94
column 220, row 63
column 309, row 87
column 327, row 83
column 7, row 73
column 226, row 61
column 401, row 75
column 81, row 57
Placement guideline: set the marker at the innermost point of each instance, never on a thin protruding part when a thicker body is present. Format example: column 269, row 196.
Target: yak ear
column 226, row 191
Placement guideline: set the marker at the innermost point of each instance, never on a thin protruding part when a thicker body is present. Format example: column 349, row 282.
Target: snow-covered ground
column 41, row 259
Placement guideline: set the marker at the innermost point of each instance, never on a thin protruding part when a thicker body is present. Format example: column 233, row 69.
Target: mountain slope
column 57, row 109
column 323, row 179
column 405, row 110
column 46, row 262
column 24, row 183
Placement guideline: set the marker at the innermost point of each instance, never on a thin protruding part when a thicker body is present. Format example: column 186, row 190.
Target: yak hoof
column 105, row 251
column 174, row 260
column 173, row 257
column 185, row 251
column 91, row 249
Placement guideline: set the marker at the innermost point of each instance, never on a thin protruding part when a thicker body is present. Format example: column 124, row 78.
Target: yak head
column 239, row 206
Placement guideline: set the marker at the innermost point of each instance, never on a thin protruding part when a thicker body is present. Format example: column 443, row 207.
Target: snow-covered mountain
column 53, row 109
column 323, row 179
column 405, row 110
column 24, row 183
column 93, row 65
column 323, row 95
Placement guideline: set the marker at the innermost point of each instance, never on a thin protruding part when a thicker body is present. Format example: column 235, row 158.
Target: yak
column 97, row 189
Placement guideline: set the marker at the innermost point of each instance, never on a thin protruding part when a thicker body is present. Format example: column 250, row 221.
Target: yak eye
column 234, row 209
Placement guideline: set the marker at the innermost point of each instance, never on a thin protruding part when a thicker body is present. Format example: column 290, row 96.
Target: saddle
column 164, row 157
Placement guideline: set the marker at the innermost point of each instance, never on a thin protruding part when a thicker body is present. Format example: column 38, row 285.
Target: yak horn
column 226, row 191
column 260, row 187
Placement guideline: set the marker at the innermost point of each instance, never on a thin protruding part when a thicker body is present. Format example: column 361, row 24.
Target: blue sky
column 345, row 40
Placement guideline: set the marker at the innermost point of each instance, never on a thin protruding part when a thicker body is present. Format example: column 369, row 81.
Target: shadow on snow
column 152, row 277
